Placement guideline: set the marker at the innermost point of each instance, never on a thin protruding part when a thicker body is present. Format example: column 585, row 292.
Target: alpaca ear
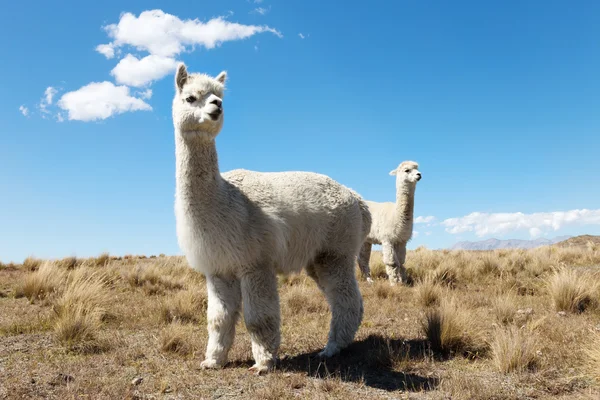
column 222, row 77
column 181, row 76
column 393, row 172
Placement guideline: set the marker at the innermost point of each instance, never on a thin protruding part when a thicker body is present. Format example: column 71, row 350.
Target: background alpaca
column 393, row 225
column 242, row 227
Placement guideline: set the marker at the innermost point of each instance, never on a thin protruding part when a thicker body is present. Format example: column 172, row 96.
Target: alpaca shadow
column 369, row 361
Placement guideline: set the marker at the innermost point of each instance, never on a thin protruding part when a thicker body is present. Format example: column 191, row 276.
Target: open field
column 506, row 324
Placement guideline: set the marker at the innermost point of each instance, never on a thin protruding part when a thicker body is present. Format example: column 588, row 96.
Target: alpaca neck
column 405, row 205
column 198, row 180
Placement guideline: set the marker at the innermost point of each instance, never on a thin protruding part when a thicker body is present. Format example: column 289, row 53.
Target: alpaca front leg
column 224, row 300
column 341, row 290
column 391, row 263
column 262, row 317
column 363, row 261
column 400, row 250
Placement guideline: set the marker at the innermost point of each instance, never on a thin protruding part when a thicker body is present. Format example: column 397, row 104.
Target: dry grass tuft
column 32, row 264
column 176, row 338
column 451, row 330
column 302, row 299
column 67, row 263
column 10, row 265
column 377, row 266
column 504, row 308
column 185, row 306
column 84, row 290
column 156, row 278
column 572, row 290
column 383, row 290
column 445, row 274
column 592, row 353
column 42, row 283
column 78, row 327
column 102, row 260
column 513, row 350
column 80, row 311
column 428, row 293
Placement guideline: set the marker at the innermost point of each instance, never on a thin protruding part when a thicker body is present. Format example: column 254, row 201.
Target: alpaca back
column 302, row 215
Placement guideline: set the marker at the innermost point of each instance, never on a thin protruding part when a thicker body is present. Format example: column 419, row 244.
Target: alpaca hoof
column 259, row 369
column 210, row 364
column 329, row 351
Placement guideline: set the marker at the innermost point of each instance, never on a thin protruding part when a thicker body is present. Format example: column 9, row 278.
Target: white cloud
column 428, row 233
column 415, row 234
column 424, row 220
column 258, row 1
column 46, row 101
column 24, row 110
column 135, row 72
column 100, row 100
column 146, row 94
column 108, row 50
column 535, row 232
column 166, row 35
column 262, row 10
column 537, row 223
column 301, row 36
column 49, row 94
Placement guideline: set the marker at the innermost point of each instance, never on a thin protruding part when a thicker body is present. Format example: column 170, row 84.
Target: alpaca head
column 407, row 172
column 198, row 104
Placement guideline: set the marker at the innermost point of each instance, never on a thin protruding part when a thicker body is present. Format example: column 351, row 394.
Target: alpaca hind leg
column 224, row 300
column 336, row 277
column 262, row 316
column 363, row 261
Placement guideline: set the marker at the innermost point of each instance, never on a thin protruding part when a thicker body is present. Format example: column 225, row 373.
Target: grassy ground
column 473, row 325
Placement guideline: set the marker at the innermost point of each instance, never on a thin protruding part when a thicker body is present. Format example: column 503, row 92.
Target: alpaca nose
column 418, row 176
column 217, row 102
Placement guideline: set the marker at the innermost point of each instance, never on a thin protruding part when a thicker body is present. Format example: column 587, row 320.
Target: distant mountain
column 579, row 241
column 492, row 244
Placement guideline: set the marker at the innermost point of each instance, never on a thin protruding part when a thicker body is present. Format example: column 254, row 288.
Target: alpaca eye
column 407, row 170
column 191, row 99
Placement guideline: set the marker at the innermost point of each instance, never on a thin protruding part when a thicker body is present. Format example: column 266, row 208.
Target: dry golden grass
column 42, row 283
column 176, row 338
column 102, row 260
column 31, row 263
column 126, row 317
column 78, row 327
column 573, row 291
column 185, row 306
column 80, row 310
column 592, row 353
column 84, row 289
column 300, row 300
column 505, row 308
column 450, row 329
column 67, row 263
column 428, row 292
column 377, row 266
column 513, row 349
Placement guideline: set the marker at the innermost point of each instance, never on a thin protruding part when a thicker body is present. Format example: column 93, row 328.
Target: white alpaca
column 242, row 227
column 393, row 225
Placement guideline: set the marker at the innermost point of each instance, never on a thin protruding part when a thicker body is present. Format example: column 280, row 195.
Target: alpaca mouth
column 215, row 115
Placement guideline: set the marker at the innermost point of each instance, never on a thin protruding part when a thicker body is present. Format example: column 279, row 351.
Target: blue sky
column 499, row 103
